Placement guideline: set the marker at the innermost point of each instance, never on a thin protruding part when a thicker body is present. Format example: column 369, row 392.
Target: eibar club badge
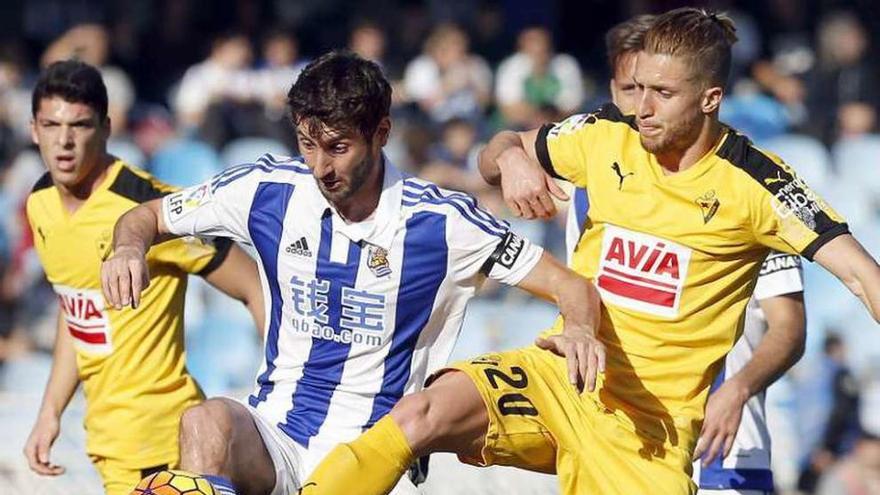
column 709, row 205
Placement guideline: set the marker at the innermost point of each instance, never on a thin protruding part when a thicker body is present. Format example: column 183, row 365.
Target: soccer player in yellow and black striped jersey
column 129, row 360
column 683, row 211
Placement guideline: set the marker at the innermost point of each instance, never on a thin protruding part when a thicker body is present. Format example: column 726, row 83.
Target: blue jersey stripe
column 323, row 369
column 466, row 208
column 424, row 268
column 581, row 207
column 465, row 199
column 265, row 224
column 264, row 163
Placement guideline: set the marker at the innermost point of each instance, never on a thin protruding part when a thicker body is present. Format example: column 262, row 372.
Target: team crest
column 709, row 205
column 378, row 261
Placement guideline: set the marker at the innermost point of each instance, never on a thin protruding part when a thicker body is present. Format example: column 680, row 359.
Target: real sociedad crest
column 378, row 261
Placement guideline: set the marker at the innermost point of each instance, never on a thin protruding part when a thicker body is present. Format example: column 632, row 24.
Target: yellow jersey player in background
column 130, row 360
column 683, row 211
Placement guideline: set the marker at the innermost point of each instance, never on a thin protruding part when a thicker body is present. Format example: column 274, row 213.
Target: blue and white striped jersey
column 358, row 314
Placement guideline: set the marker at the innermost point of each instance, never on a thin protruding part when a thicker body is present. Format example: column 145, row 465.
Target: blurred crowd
column 197, row 86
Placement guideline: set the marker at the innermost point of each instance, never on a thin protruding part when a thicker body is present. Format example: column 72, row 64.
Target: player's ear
column 35, row 138
column 383, row 130
column 712, row 99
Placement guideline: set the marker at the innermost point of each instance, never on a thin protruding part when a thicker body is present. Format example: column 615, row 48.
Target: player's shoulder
column 758, row 166
column 606, row 116
column 422, row 195
column 267, row 167
column 137, row 185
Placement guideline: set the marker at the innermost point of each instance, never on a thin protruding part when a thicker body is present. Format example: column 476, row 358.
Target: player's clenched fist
column 124, row 276
column 584, row 353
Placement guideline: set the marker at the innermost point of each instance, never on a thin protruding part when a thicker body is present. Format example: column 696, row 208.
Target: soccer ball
column 174, row 483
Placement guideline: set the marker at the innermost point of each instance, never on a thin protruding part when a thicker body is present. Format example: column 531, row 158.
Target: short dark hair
column 625, row 38
column 73, row 81
column 342, row 91
column 702, row 37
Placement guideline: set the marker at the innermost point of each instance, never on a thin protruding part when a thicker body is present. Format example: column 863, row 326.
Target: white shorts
column 294, row 463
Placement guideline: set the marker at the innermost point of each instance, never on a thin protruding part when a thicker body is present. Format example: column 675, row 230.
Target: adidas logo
column 299, row 248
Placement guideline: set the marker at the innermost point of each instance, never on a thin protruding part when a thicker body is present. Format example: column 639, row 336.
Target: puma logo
column 771, row 180
column 620, row 175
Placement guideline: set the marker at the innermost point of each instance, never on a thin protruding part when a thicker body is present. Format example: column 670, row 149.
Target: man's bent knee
column 448, row 416
column 205, row 431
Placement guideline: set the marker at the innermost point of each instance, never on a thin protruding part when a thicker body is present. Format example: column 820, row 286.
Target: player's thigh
column 607, row 456
column 447, row 416
column 520, row 396
column 247, row 459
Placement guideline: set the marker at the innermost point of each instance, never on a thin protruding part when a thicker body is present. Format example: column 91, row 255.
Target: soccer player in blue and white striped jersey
column 366, row 273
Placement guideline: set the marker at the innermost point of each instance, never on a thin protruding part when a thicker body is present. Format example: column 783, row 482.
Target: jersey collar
column 380, row 227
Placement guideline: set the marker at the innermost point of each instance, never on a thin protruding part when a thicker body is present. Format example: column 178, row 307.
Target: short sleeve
column 216, row 208
column 482, row 245
column 787, row 215
column 780, row 274
column 566, row 149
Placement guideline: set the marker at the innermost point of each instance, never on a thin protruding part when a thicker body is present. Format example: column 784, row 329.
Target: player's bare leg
column 218, row 437
column 448, row 416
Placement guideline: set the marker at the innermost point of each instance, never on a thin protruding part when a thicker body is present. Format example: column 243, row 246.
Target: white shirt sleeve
column 481, row 245
column 217, row 207
column 780, row 274
column 509, row 85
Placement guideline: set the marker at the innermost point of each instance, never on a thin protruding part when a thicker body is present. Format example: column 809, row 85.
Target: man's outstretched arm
column 855, row 267
column 780, row 348
column 125, row 275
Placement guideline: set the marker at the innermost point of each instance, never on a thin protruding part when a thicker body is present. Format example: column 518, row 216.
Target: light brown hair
column 703, row 38
column 625, row 38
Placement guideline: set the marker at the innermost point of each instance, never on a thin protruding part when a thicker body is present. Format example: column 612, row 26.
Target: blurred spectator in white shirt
column 448, row 81
column 220, row 76
column 281, row 66
column 536, row 77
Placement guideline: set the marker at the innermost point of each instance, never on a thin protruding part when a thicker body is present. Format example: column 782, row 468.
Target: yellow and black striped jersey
column 131, row 362
column 675, row 257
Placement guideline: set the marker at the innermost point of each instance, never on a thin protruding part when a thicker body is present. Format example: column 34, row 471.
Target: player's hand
column 526, row 187
column 584, row 353
column 124, row 276
column 38, row 445
column 723, row 414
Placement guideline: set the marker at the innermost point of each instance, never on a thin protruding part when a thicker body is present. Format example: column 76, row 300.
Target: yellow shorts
column 120, row 477
column 538, row 421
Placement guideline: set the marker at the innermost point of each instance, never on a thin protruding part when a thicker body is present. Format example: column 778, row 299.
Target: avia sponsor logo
column 86, row 319
column 778, row 262
column 642, row 272
column 796, row 198
column 299, row 248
